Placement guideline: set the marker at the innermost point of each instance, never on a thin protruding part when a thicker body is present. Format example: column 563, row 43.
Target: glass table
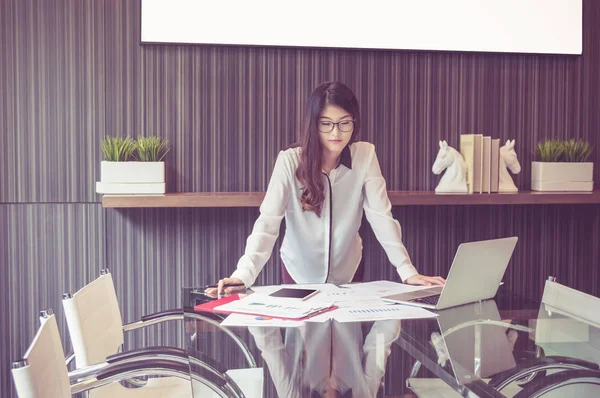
column 497, row 348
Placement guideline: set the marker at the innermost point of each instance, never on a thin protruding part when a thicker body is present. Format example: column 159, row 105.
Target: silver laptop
column 475, row 275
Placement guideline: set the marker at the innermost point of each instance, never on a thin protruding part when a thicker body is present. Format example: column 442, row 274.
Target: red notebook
column 210, row 307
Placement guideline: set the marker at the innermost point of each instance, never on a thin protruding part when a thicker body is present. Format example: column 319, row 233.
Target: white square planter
column 562, row 176
column 132, row 172
column 130, row 178
column 110, row 188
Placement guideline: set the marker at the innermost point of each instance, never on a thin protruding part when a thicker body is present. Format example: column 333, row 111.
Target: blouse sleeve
column 265, row 232
column 378, row 208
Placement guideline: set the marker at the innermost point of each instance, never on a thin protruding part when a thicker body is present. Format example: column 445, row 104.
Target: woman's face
column 335, row 137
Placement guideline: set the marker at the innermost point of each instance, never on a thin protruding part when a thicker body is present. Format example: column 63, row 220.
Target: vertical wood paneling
column 73, row 71
column 554, row 240
column 5, row 304
column 124, row 86
column 8, row 135
column 54, row 106
column 152, row 253
column 228, row 110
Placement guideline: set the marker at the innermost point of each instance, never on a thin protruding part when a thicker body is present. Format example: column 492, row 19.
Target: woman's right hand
column 223, row 289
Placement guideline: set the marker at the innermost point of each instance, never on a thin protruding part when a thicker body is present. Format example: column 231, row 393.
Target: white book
column 486, row 165
column 495, row 165
column 467, row 150
column 478, row 163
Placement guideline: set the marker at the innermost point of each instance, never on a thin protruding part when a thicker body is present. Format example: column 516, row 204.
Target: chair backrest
column 573, row 302
column 43, row 373
column 94, row 321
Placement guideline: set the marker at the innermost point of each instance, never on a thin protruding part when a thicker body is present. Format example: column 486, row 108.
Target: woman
column 321, row 188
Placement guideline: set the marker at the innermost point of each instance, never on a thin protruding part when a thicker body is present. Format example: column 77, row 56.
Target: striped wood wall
column 74, row 70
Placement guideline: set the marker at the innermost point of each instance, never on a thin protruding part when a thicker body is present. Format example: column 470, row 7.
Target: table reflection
column 327, row 359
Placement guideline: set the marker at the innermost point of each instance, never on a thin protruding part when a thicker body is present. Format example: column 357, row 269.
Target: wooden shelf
column 186, row 199
column 398, row 198
column 416, row 198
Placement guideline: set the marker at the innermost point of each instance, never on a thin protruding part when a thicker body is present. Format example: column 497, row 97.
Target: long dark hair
column 309, row 170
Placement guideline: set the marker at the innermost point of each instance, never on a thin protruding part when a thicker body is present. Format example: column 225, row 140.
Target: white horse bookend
column 454, row 179
column 508, row 159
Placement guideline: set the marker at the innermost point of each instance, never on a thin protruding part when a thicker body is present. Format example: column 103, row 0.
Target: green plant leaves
column 117, row 149
column 151, row 149
column 145, row 149
column 563, row 151
column 577, row 151
column 550, row 150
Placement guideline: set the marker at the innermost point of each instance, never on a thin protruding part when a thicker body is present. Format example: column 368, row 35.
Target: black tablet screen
column 292, row 293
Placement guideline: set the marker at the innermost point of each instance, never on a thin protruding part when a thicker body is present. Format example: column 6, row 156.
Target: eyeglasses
column 345, row 126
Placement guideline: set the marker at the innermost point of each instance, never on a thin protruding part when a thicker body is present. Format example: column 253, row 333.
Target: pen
column 310, row 295
column 225, row 285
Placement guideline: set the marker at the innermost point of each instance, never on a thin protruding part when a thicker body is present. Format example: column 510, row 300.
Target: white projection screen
column 515, row 26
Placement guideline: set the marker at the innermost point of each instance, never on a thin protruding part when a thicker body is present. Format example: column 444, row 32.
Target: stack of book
column 482, row 156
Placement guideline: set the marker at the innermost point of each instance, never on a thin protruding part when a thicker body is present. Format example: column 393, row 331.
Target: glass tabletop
column 472, row 350
column 312, row 360
column 493, row 348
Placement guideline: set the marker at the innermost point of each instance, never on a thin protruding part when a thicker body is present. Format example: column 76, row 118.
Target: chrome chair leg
column 415, row 369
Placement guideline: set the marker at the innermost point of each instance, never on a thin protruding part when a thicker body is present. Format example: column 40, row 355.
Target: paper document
column 259, row 304
column 342, row 315
column 355, row 302
column 259, row 320
column 382, row 288
column 328, row 293
column 380, row 312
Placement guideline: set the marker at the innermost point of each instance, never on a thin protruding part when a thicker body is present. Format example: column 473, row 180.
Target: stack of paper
column 356, row 302
column 259, row 304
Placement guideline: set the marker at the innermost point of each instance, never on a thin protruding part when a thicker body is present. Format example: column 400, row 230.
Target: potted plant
column 562, row 166
column 133, row 167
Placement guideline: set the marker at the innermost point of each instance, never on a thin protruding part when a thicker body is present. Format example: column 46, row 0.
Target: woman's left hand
column 425, row 280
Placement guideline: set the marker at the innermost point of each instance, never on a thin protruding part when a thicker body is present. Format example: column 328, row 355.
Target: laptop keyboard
column 433, row 300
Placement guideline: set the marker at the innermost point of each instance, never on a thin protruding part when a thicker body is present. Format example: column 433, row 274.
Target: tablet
column 294, row 293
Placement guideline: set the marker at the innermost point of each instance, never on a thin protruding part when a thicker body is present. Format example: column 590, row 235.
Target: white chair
column 42, row 373
column 567, row 333
column 570, row 370
column 572, row 302
column 97, row 334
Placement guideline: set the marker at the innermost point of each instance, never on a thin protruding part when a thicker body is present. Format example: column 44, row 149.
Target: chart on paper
column 375, row 313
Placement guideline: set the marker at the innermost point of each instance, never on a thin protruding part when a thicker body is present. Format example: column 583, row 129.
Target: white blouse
column 327, row 248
